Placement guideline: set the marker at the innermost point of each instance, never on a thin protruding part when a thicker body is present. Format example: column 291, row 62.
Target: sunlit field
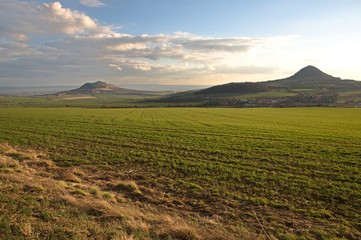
column 281, row 173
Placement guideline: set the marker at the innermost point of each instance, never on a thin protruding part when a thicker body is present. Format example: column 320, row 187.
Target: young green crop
column 293, row 167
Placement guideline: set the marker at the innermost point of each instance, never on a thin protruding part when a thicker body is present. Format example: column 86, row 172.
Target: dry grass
column 176, row 229
column 130, row 187
column 39, row 199
column 68, row 176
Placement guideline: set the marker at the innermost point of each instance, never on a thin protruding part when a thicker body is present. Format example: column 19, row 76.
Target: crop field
column 52, row 101
column 255, row 173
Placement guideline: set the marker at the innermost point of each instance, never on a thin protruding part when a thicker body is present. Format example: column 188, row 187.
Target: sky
column 188, row 42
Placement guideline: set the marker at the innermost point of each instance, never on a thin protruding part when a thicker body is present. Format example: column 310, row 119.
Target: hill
column 311, row 77
column 307, row 87
column 311, row 72
column 96, row 87
column 101, row 87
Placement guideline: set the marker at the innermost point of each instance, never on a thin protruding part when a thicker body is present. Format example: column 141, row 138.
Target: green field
column 78, row 100
column 288, row 173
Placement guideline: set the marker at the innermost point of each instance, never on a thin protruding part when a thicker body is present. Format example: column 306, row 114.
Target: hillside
column 308, row 87
column 308, row 77
column 246, row 87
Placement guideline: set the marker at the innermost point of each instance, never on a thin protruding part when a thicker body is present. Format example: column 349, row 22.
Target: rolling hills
column 307, row 87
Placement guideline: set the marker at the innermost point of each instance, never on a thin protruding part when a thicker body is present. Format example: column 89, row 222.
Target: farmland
column 77, row 100
column 270, row 173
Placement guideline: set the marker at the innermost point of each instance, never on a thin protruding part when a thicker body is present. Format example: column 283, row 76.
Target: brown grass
column 45, row 201
column 130, row 187
column 68, row 176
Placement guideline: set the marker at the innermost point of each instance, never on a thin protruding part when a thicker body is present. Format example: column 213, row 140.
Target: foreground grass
column 43, row 201
column 284, row 173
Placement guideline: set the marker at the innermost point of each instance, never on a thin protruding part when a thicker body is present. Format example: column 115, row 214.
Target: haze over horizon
column 130, row 42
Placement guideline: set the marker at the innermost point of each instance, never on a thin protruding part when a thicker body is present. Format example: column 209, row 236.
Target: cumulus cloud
column 183, row 47
column 81, row 50
column 12, row 50
column 22, row 18
column 66, row 20
column 92, row 3
column 126, row 47
column 228, row 45
column 122, row 64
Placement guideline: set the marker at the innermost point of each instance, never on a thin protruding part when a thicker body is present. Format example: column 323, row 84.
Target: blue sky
column 175, row 42
column 226, row 18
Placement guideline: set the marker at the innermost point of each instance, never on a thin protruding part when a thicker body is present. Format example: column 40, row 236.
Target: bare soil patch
column 79, row 98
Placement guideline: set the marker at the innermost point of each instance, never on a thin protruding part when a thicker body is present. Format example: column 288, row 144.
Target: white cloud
column 83, row 50
column 115, row 66
column 127, row 47
column 11, row 51
column 66, row 20
column 131, row 65
column 92, row 3
column 183, row 47
column 22, row 18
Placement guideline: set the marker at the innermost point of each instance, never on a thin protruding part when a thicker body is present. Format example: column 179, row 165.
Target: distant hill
column 97, row 87
column 311, row 77
column 308, row 77
column 100, row 87
column 311, row 73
